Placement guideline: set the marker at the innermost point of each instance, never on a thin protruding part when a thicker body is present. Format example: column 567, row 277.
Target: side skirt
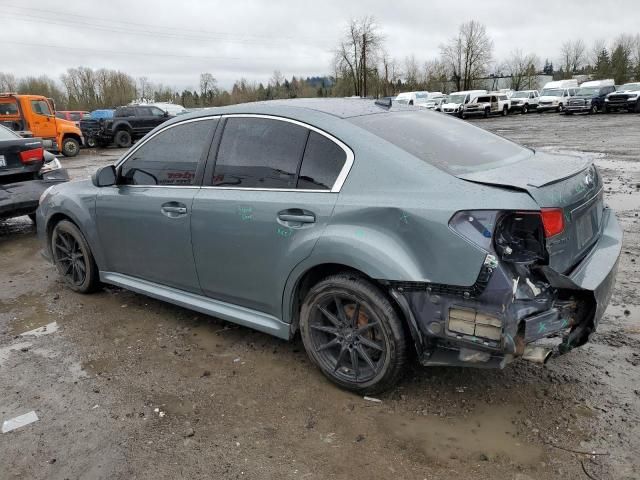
column 226, row 311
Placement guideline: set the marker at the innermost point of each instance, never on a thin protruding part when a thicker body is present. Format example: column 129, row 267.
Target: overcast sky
column 171, row 41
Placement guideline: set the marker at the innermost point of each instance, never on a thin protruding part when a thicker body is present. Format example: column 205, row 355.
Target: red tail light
column 32, row 156
column 553, row 221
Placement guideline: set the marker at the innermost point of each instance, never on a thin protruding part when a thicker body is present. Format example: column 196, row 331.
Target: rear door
column 265, row 203
column 144, row 221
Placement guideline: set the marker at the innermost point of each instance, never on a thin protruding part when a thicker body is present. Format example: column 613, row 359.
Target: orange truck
column 34, row 116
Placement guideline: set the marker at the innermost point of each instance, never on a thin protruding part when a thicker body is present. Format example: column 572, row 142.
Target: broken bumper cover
column 21, row 198
column 491, row 322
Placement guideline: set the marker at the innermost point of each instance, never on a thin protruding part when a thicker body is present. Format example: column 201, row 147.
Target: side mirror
column 105, row 176
column 166, row 114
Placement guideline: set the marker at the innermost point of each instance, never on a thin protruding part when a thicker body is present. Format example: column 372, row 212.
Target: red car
column 72, row 115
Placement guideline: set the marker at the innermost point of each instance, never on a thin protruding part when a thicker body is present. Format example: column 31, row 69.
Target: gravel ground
column 129, row 387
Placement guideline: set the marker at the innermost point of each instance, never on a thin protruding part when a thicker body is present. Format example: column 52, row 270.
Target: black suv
column 131, row 123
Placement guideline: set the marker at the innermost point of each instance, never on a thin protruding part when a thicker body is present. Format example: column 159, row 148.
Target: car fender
column 78, row 204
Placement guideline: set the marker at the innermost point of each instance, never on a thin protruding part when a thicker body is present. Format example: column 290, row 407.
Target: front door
column 144, row 222
column 268, row 201
column 43, row 121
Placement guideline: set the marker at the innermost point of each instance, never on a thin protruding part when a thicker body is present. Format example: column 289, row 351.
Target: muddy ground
column 129, row 387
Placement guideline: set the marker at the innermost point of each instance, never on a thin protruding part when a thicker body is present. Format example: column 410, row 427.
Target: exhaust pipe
column 536, row 354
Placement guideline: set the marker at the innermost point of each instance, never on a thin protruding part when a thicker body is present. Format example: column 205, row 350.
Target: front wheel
column 505, row 111
column 560, row 108
column 594, row 109
column 73, row 258
column 353, row 334
column 70, row 147
column 92, row 142
column 525, row 109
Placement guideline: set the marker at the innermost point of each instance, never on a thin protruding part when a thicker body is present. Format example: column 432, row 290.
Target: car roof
column 336, row 107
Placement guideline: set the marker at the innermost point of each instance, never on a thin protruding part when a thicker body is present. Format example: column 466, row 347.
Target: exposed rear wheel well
column 320, row 272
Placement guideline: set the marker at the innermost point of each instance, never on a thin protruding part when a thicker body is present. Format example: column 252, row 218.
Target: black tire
column 593, row 109
column 505, row 111
column 73, row 258
column 525, row 109
column 560, row 108
column 92, row 142
column 567, row 112
column 638, row 106
column 70, row 147
column 351, row 331
column 486, row 113
column 123, row 139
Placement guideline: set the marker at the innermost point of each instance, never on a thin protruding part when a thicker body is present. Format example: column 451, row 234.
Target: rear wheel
column 353, row 334
column 70, row 147
column 73, row 258
column 123, row 139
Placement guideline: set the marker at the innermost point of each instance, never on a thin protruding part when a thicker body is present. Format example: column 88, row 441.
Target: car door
column 144, row 221
column 43, row 121
column 144, row 120
column 270, row 194
column 158, row 116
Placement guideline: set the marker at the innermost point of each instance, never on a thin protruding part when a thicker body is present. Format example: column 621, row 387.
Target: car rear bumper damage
column 21, row 198
column 511, row 306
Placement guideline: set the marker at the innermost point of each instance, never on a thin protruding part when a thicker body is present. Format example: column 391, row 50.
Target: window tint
column 40, row 107
column 323, row 160
column 6, row 134
column 171, row 157
column 144, row 111
column 456, row 147
column 75, row 116
column 156, row 112
column 259, row 153
column 125, row 112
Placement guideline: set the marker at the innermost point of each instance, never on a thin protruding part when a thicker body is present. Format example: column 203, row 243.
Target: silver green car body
column 229, row 252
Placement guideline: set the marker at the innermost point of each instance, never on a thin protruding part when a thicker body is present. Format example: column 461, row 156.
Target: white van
column 457, row 100
column 412, row 98
column 555, row 95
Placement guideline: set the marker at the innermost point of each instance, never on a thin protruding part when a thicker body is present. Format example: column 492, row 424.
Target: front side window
column 259, row 153
column 322, row 162
column 156, row 112
column 171, row 157
column 40, row 107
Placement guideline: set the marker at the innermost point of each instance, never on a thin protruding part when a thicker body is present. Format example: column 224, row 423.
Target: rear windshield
column 6, row 134
column 447, row 143
column 8, row 108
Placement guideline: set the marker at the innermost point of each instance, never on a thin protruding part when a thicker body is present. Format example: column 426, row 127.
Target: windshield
column 629, row 86
column 520, row 95
column 453, row 146
column 588, row 91
column 6, row 134
column 422, row 97
column 551, row 92
column 457, row 98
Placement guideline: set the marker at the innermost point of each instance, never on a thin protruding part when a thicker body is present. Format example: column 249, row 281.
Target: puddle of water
column 40, row 331
column 629, row 323
column 489, row 432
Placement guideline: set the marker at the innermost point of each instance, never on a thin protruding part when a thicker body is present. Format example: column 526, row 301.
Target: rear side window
column 171, row 157
column 125, row 112
column 322, row 162
column 259, row 153
column 453, row 146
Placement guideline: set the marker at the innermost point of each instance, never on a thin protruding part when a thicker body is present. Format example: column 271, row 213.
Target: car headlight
column 634, row 97
column 44, row 194
column 606, row 99
column 50, row 166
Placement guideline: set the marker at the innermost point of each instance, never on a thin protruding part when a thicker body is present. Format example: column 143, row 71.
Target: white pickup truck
column 555, row 95
column 525, row 100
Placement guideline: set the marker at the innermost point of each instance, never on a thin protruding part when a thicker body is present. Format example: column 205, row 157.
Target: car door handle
column 174, row 209
column 296, row 215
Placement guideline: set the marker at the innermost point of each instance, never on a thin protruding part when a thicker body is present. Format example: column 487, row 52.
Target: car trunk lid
column 20, row 159
column 567, row 182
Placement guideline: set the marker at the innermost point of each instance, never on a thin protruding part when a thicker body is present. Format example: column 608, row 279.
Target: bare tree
column 8, row 82
column 573, row 56
column 523, row 69
column 357, row 53
column 411, row 73
column 144, row 88
column 208, row 88
column 436, row 75
column 468, row 54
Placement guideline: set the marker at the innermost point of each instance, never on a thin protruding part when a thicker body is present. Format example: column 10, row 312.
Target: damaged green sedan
column 372, row 230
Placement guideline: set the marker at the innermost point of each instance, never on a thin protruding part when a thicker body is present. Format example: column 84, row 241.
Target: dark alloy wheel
column 123, row 139
column 73, row 258
column 351, row 331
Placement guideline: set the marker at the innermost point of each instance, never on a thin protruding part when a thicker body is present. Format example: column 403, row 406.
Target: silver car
column 372, row 230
